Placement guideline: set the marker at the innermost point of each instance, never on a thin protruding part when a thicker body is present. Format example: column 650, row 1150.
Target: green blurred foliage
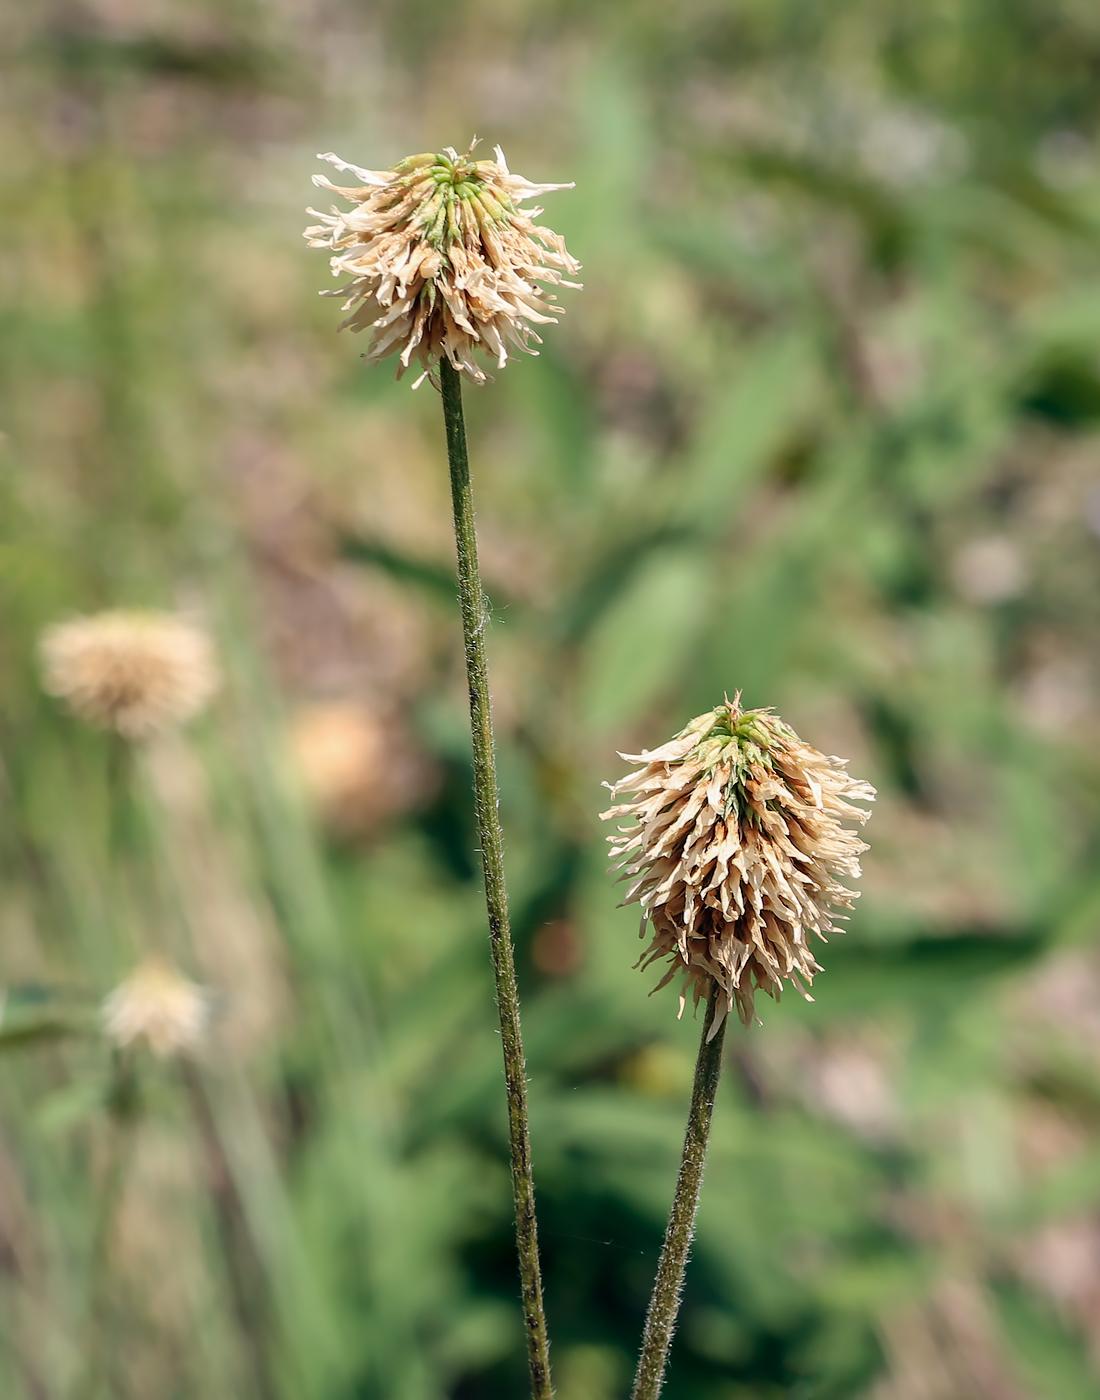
column 824, row 426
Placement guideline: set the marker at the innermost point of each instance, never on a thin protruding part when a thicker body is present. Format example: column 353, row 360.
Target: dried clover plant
column 135, row 674
column 734, row 845
column 442, row 265
column 442, row 260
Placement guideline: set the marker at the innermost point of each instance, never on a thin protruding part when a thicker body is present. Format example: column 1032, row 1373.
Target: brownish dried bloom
column 134, row 672
column 442, row 259
column 159, row 1005
column 734, row 852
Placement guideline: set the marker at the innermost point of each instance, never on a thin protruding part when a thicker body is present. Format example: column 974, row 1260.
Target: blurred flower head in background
column 357, row 765
column 134, row 672
column 737, row 841
column 442, row 259
column 159, row 1005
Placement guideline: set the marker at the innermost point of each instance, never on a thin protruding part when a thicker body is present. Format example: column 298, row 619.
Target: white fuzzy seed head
column 134, row 672
column 157, row 1005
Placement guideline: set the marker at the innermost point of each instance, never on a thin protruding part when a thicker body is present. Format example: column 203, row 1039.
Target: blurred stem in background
column 491, row 839
column 244, row 1268
column 665, row 1302
column 122, row 1105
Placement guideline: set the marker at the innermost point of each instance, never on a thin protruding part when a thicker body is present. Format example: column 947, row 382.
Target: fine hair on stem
column 665, row 1301
column 491, row 840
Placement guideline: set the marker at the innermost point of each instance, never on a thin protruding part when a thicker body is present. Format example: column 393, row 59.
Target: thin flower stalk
column 664, row 1304
column 733, row 843
column 122, row 1105
column 248, row 1285
column 491, row 838
column 443, row 265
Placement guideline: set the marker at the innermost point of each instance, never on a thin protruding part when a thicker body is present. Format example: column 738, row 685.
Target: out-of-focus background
column 824, row 425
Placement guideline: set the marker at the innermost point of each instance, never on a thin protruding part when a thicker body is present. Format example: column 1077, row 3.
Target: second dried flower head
column 442, row 260
column 734, row 850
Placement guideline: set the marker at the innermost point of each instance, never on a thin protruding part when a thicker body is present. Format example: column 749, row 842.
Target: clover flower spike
column 158, row 1005
column 733, row 850
column 134, row 672
column 441, row 260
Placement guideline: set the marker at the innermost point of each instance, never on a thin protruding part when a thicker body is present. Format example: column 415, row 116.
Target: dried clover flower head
column 734, row 852
column 159, row 1005
column 442, row 259
column 134, row 672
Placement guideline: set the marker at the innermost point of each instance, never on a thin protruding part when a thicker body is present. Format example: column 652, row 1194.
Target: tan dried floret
column 134, row 672
column 733, row 852
column 156, row 1004
column 442, row 260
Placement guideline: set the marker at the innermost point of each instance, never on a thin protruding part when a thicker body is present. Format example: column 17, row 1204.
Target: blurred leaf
column 633, row 652
column 1048, row 1355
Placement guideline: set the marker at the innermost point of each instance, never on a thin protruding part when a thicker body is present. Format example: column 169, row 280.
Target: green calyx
column 743, row 739
column 455, row 190
column 749, row 733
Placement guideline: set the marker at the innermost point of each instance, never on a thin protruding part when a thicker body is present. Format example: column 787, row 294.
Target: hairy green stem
column 665, row 1302
column 491, row 837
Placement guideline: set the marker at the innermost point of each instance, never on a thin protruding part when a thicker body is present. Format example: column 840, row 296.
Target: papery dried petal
column 442, row 260
column 733, row 851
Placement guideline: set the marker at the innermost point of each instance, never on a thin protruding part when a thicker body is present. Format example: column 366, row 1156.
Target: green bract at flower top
column 737, row 843
column 442, row 260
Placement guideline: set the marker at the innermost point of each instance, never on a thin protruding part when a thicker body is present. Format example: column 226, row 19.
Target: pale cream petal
column 736, row 843
column 368, row 177
column 440, row 273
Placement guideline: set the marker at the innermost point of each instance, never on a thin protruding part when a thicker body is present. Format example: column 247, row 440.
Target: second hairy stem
column 665, row 1302
column 491, row 839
